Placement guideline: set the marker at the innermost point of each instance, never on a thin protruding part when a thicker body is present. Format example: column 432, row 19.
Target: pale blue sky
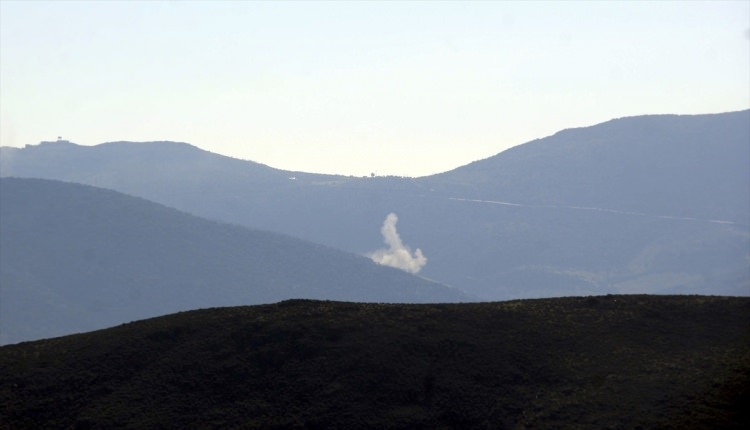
column 404, row 88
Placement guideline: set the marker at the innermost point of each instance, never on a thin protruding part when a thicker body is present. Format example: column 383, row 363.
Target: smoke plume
column 397, row 254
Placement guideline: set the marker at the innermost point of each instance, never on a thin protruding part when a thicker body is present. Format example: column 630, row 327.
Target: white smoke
column 397, row 254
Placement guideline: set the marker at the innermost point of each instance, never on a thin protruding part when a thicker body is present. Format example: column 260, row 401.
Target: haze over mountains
column 77, row 258
column 650, row 204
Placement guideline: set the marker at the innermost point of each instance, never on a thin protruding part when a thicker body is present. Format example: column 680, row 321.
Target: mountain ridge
column 608, row 208
column 644, row 134
column 75, row 257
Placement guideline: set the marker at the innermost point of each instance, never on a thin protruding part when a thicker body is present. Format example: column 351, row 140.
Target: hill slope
column 656, row 204
column 590, row 363
column 681, row 165
column 77, row 258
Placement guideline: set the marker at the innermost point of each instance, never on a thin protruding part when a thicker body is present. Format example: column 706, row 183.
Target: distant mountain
column 666, row 362
column 77, row 258
column 648, row 204
column 681, row 165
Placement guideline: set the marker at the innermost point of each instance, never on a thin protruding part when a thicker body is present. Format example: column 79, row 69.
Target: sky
column 355, row 88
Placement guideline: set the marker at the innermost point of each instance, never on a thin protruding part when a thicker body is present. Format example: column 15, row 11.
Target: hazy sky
column 405, row 88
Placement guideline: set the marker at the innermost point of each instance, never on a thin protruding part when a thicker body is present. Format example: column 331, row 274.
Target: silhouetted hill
column 679, row 362
column 649, row 204
column 77, row 258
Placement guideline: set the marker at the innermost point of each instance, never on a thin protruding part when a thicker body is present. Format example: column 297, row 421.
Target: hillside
column 78, row 258
column 680, row 165
column 668, row 362
column 647, row 204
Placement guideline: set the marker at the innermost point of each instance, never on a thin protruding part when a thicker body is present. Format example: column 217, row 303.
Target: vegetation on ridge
column 597, row 362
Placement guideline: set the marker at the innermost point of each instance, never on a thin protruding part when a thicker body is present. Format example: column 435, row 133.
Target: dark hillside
column 624, row 362
column 77, row 258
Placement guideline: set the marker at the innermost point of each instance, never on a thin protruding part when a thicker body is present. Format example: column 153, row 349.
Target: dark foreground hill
column 77, row 258
column 620, row 362
column 647, row 204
